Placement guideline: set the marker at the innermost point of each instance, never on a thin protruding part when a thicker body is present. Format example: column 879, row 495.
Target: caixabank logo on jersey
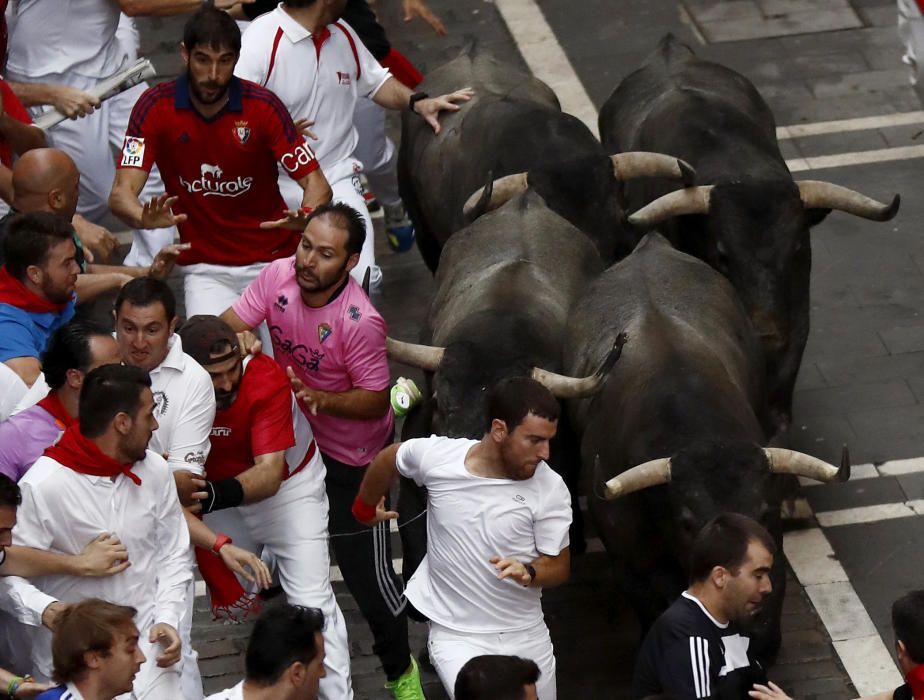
column 211, row 181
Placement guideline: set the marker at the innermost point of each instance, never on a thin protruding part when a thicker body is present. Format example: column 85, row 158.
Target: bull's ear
column 813, row 217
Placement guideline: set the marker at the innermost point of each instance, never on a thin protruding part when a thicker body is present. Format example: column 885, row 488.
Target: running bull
column 750, row 221
column 503, row 291
column 676, row 435
column 513, row 130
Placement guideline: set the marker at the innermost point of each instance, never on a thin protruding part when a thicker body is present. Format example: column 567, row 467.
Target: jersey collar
column 235, row 102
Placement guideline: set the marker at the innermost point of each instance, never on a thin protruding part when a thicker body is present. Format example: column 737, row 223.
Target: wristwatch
column 414, row 99
column 531, row 570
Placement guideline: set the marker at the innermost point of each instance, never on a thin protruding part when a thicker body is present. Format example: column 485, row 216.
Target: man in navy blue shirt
column 36, row 288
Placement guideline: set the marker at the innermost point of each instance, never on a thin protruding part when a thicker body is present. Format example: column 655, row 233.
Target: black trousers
column 364, row 557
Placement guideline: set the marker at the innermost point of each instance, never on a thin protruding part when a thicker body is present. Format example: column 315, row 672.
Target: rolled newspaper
column 138, row 72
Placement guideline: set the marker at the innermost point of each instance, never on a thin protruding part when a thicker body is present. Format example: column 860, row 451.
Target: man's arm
column 28, row 368
column 189, row 447
column 103, row 556
column 240, row 561
column 264, row 478
column 21, row 137
column 369, row 506
column 94, row 284
column 396, row 95
column 70, row 101
column 125, row 204
column 550, row 571
column 230, row 317
column 166, row 8
column 359, row 404
column 316, row 188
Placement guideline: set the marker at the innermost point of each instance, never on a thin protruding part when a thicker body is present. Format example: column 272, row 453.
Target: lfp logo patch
column 324, row 331
column 132, row 152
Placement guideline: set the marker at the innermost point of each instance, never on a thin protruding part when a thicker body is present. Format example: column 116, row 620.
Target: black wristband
column 531, row 570
column 227, row 493
column 415, row 98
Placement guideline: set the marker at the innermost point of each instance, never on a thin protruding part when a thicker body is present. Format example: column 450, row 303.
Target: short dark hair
column 30, row 237
column 107, row 391
column 10, row 495
column 513, row 398
column 90, row 625
column 908, row 624
column 144, row 291
column 346, row 218
column 69, row 348
column 496, row 677
column 282, row 635
column 724, row 541
column 212, row 27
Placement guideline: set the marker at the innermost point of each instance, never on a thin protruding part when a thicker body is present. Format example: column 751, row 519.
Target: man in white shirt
column 59, row 49
column 285, row 657
column 100, row 477
column 145, row 317
column 497, row 531
column 319, row 68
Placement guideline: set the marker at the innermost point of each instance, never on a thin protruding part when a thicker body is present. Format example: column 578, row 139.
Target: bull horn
column 633, row 164
column 691, row 200
column 784, row 461
column 642, row 476
column 504, row 188
column 425, row 357
column 817, row 194
column 564, row 387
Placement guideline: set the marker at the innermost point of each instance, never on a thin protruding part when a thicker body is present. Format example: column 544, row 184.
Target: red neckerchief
column 228, row 598
column 76, row 452
column 52, row 404
column 15, row 293
column 915, row 679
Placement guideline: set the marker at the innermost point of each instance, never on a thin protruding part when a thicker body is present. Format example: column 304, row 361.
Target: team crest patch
column 241, row 132
column 324, row 331
column 354, row 312
column 132, row 152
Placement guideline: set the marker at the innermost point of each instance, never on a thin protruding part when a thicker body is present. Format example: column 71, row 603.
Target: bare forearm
column 200, row 534
column 6, row 184
column 393, row 95
column 126, row 205
column 27, row 562
column 317, row 190
column 263, row 479
column 21, row 137
column 34, row 94
column 358, row 404
column 379, row 475
column 552, row 571
column 91, row 285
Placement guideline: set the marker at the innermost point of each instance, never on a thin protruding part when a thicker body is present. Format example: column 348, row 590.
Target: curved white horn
column 784, row 461
column 505, row 188
column 642, row 476
column 426, row 357
column 692, row 200
column 633, row 164
column 818, row 194
column 565, row 387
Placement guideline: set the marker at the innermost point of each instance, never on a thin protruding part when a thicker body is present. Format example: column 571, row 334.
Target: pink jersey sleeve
column 365, row 356
column 253, row 305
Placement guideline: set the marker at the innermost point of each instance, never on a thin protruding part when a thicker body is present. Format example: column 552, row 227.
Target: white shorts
column 450, row 650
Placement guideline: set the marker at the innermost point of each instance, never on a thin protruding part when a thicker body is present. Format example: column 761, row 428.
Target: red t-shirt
column 223, row 169
column 258, row 422
column 13, row 107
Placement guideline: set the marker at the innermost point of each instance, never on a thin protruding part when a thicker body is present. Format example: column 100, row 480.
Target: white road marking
column 840, row 160
column 840, row 126
column 895, row 467
column 870, row 514
column 546, row 58
column 862, row 652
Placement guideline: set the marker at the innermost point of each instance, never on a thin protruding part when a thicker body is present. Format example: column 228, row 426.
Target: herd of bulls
column 537, row 237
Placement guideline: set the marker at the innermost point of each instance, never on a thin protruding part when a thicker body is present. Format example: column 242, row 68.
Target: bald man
column 47, row 179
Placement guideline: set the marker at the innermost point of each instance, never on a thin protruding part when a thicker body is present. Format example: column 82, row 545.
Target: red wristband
column 307, row 210
column 362, row 511
column 220, row 542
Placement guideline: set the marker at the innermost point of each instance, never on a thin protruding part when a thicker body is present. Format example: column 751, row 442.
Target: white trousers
column 211, row 289
column 347, row 188
column 90, row 142
column 911, row 33
column 376, row 152
column 154, row 683
column 291, row 528
column 450, row 650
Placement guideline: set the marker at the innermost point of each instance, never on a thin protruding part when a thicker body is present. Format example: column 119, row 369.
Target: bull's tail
column 671, row 52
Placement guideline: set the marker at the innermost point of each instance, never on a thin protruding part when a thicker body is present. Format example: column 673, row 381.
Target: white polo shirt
column 184, row 408
column 317, row 78
column 62, row 510
column 64, row 38
column 471, row 519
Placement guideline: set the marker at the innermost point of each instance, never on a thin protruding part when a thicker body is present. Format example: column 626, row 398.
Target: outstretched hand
column 431, row 107
column 158, row 212
column 418, row 8
column 294, row 220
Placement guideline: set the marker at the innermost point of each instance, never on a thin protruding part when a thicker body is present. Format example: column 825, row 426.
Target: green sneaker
column 407, row 686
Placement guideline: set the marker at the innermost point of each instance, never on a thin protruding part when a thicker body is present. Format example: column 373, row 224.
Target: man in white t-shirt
column 319, row 68
column 497, row 531
column 58, row 50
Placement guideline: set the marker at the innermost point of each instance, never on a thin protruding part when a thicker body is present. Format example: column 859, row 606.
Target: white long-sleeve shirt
column 63, row 510
column 185, row 409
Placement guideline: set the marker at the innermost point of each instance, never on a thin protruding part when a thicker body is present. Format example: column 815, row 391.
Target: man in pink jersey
column 216, row 140
column 331, row 340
